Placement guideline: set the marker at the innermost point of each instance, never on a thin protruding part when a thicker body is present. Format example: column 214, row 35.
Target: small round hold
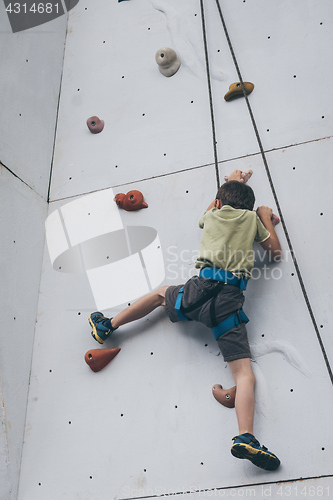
column 95, row 125
column 167, row 61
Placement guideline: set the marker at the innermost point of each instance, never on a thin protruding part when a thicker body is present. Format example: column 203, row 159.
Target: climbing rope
column 275, row 197
column 210, row 93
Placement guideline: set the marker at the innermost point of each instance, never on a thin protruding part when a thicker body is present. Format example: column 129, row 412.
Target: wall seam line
column 19, row 178
column 57, row 115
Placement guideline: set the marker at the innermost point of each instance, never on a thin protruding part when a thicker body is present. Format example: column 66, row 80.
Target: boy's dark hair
column 236, row 195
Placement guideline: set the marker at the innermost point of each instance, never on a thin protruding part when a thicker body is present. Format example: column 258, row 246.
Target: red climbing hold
column 133, row 200
column 99, row 358
column 95, row 125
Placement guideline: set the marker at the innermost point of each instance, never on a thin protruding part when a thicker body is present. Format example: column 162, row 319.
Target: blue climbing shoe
column 246, row 446
column 100, row 332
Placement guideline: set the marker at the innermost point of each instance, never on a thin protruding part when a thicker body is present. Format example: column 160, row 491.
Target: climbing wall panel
column 22, row 242
column 282, row 48
column 147, row 424
column 120, row 83
column 156, row 395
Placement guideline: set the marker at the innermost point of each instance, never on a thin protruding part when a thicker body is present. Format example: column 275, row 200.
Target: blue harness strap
column 229, row 323
column 214, row 273
column 178, row 304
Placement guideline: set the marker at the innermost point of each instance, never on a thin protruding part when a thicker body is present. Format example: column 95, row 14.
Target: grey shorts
column 233, row 344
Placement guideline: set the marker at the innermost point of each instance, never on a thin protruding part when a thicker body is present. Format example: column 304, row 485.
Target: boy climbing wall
column 215, row 297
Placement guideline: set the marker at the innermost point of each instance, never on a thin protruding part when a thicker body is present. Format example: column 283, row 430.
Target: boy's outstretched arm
column 272, row 244
column 236, row 175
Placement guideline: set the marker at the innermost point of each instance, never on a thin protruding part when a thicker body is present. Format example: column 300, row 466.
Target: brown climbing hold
column 133, row 200
column 224, row 396
column 95, row 125
column 235, row 90
column 98, row 358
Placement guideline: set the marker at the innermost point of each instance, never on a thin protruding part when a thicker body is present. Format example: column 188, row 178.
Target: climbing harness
column 305, row 295
column 222, row 278
column 227, row 277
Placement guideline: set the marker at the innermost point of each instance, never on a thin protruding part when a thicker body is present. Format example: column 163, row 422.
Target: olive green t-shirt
column 227, row 240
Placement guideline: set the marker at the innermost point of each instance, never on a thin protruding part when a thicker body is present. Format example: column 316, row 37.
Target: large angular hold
column 225, row 397
column 235, row 90
column 97, row 359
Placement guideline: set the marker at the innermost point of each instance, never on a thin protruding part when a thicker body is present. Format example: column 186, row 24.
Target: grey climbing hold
column 167, row 61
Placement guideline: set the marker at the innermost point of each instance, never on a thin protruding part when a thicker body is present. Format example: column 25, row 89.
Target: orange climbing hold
column 95, row 125
column 235, row 90
column 224, row 396
column 133, row 200
column 99, row 358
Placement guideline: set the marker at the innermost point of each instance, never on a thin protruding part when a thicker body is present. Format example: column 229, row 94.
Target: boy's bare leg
column 140, row 307
column 244, row 403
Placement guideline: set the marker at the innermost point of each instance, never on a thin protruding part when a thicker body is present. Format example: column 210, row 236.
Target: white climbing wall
column 30, row 66
column 147, row 424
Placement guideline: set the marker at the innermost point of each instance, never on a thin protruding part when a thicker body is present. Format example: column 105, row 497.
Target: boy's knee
column 243, row 372
column 161, row 294
column 248, row 373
